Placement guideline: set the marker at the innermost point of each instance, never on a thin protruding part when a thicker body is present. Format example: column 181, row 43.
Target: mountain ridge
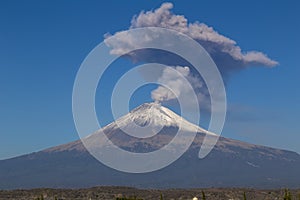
column 231, row 163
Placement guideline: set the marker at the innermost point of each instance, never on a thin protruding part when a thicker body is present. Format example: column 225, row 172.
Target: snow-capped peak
column 153, row 116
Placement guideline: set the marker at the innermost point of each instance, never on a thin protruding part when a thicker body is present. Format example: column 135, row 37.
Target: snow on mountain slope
column 142, row 125
column 152, row 117
column 231, row 163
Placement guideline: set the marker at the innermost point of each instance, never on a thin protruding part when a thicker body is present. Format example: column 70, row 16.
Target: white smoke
column 178, row 81
column 225, row 52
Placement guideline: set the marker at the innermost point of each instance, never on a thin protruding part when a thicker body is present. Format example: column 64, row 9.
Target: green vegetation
column 203, row 195
column 244, row 195
column 130, row 198
column 140, row 194
column 161, row 196
column 40, row 198
column 287, row 195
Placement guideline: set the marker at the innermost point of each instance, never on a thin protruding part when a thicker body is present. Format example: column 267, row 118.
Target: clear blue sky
column 42, row 44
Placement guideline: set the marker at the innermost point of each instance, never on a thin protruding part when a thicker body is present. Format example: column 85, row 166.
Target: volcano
column 231, row 163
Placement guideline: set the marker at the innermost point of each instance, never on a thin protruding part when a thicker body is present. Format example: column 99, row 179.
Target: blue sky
column 42, row 44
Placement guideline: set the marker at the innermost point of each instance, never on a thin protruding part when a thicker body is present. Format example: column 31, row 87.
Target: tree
column 287, row 195
column 203, row 196
column 161, row 196
column 245, row 198
column 40, row 198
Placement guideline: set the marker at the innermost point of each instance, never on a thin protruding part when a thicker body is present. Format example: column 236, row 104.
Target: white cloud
column 211, row 40
column 225, row 52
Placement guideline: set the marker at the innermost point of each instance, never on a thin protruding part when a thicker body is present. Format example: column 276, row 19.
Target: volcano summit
column 231, row 163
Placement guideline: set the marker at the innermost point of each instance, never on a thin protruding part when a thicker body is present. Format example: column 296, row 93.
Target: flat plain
column 114, row 192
